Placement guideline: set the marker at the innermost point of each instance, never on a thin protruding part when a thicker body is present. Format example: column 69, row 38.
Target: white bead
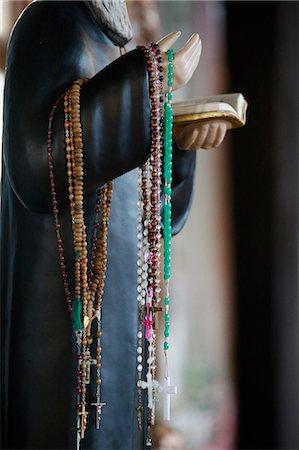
column 143, row 292
column 139, row 350
column 139, row 289
column 139, row 298
column 139, row 236
column 139, row 280
column 139, row 334
column 139, row 358
column 139, row 368
column 142, row 302
column 139, row 270
column 144, row 284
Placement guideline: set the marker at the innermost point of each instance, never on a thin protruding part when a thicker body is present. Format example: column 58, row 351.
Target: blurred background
column 235, row 280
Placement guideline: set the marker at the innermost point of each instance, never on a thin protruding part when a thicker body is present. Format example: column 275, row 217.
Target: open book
column 231, row 107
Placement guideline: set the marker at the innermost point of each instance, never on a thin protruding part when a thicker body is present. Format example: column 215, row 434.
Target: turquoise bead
column 166, row 300
column 170, row 54
column 170, row 95
column 77, row 255
column 166, row 345
column 166, row 242
column 166, row 333
column 166, row 317
column 167, row 190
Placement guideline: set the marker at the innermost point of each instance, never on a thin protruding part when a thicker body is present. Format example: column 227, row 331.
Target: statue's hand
column 201, row 135
column 204, row 134
column 185, row 60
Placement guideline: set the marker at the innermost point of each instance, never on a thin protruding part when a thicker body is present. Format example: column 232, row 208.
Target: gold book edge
column 185, row 119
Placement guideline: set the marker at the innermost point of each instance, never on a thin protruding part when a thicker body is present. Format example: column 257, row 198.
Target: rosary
column 90, row 258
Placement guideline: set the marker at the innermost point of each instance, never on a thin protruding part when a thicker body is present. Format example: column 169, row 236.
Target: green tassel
column 76, row 314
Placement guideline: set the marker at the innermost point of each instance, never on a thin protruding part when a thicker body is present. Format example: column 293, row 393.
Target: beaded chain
column 149, row 239
column 54, row 207
column 90, row 263
column 166, row 389
column 150, row 201
column 90, row 272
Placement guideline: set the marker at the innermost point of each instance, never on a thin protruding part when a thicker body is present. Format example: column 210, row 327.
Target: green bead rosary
column 167, row 174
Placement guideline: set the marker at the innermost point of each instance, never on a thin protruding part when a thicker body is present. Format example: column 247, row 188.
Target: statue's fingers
column 192, row 42
column 202, row 132
column 192, row 56
column 211, row 135
column 167, row 41
column 191, row 67
column 222, row 128
column 185, row 137
column 194, row 60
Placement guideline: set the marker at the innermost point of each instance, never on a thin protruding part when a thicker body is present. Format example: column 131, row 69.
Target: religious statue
column 53, row 44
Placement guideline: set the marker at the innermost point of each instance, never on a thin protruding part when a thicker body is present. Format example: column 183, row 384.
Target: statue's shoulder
column 50, row 26
column 56, row 17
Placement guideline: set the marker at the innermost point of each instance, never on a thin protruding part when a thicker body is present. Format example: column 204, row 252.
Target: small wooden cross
column 99, row 407
column 167, row 390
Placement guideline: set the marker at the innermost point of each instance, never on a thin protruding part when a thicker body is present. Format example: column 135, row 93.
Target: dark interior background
column 263, row 57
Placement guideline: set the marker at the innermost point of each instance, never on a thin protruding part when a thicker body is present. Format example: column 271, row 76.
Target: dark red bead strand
column 55, row 211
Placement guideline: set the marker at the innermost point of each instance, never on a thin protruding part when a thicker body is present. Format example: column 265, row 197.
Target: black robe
column 53, row 44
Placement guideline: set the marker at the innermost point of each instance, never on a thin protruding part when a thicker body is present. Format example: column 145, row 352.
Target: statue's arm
column 44, row 58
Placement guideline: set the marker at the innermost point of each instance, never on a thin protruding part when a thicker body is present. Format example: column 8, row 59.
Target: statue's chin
column 112, row 16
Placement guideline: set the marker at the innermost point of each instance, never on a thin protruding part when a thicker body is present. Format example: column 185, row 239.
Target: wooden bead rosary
column 90, row 263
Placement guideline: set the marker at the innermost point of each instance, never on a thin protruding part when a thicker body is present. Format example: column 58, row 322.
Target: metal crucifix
column 99, row 407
